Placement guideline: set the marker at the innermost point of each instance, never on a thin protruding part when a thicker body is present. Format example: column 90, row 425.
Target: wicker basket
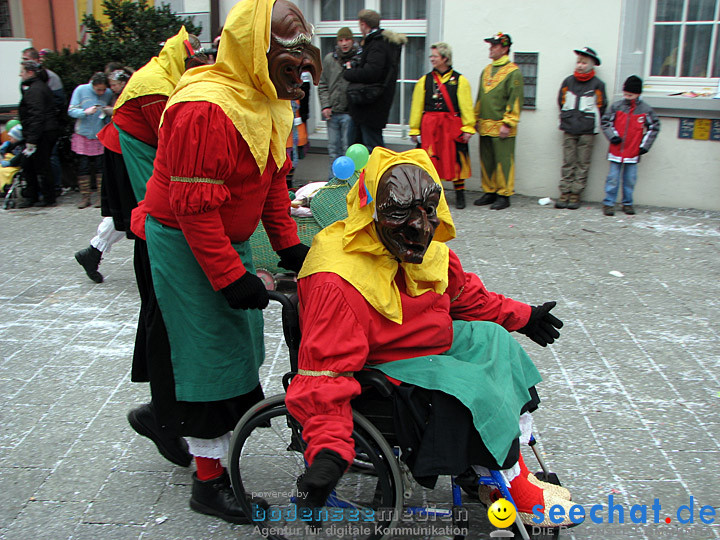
column 328, row 206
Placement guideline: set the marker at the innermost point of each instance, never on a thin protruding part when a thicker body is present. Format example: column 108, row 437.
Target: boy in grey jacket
column 332, row 92
column 582, row 103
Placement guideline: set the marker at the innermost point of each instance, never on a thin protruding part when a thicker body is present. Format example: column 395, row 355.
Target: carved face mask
column 291, row 51
column 406, row 205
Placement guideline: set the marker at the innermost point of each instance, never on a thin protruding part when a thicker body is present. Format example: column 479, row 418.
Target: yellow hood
column 352, row 249
column 240, row 84
column 161, row 74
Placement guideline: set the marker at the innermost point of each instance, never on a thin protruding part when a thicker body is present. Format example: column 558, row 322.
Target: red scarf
column 584, row 77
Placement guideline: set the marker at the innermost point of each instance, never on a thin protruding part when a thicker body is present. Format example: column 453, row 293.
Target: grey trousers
column 577, row 152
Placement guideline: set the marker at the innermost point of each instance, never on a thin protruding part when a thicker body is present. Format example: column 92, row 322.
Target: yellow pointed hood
column 239, row 82
column 352, row 249
column 161, row 74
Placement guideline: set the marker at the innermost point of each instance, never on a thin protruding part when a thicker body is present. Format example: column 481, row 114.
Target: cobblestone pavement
column 631, row 396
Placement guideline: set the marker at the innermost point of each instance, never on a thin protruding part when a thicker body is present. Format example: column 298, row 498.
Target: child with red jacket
column 631, row 126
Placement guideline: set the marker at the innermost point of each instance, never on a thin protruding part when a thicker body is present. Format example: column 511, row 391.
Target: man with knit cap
column 220, row 168
column 332, row 92
column 497, row 108
column 631, row 126
column 385, row 280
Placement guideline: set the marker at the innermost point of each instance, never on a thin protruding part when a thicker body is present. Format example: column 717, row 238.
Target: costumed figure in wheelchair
column 381, row 290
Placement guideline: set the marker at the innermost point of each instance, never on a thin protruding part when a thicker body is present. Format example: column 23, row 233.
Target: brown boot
column 98, row 181
column 84, row 186
column 562, row 202
column 574, row 201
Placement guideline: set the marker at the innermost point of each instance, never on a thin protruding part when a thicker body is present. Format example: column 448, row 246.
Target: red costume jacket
column 342, row 332
column 207, row 183
column 140, row 117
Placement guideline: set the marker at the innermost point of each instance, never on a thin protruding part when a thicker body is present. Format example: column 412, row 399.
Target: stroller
column 14, row 191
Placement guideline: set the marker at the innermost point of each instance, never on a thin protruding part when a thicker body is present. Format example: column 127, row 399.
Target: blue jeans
column 340, row 131
column 629, row 177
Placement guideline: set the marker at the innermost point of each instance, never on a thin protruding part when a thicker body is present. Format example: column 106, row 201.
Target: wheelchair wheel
column 266, row 459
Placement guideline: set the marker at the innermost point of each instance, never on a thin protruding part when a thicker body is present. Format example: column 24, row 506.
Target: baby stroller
column 375, row 499
column 14, row 191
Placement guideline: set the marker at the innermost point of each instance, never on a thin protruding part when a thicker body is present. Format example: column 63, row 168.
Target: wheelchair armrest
column 376, row 380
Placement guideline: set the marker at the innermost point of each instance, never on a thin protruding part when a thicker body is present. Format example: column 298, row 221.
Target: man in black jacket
column 41, row 129
column 378, row 64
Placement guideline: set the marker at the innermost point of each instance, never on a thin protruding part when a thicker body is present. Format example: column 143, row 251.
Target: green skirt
column 216, row 351
column 139, row 158
column 487, row 370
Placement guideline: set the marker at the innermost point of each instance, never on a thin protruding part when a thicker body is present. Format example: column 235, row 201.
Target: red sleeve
column 202, row 150
column 321, row 403
column 281, row 228
column 471, row 301
column 152, row 108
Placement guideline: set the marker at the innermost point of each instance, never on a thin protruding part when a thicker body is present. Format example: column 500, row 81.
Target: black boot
column 171, row 446
column 89, row 259
column 216, row 498
column 487, row 198
column 501, row 203
column 460, row 199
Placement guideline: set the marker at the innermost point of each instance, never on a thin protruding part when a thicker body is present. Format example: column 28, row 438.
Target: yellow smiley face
column 502, row 513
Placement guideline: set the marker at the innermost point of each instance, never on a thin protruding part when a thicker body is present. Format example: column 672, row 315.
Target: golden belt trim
column 325, row 373
column 196, row 180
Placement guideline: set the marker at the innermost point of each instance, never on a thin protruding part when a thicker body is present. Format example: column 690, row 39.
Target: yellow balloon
column 502, row 513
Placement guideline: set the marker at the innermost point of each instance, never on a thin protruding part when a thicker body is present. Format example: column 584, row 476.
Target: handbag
column 363, row 93
column 456, row 122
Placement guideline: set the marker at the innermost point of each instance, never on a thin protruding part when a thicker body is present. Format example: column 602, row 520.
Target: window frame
column 424, row 28
column 677, row 83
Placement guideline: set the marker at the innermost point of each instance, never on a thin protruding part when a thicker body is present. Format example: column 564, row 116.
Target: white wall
column 676, row 172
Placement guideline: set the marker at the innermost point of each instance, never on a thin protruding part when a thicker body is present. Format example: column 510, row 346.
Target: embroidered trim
column 489, row 82
column 154, row 103
column 196, row 180
column 324, row 373
column 458, row 294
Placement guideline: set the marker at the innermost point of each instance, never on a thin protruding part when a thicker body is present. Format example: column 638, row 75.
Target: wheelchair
column 266, row 458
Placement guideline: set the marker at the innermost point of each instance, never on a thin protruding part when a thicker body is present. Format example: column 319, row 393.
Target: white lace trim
column 526, row 428
column 209, row 448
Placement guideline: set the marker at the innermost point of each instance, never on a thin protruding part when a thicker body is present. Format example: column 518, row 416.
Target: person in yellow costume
column 442, row 117
column 221, row 167
column 497, row 108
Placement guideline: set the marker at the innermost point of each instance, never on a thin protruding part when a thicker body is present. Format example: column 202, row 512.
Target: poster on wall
column 699, row 129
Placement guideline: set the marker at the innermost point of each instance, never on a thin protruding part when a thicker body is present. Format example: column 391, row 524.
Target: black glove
column 316, row 484
column 248, row 292
column 541, row 327
column 292, row 258
column 643, row 151
column 615, row 140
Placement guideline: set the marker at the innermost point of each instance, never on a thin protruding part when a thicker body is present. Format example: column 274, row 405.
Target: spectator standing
column 582, row 103
column 497, row 108
column 332, row 92
column 41, row 129
column 631, row 126
column 377, row 66
column 90, row 106
column 442, row 116
column 58, row 90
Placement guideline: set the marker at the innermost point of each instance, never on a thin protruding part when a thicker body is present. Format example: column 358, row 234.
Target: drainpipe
column 52, row 24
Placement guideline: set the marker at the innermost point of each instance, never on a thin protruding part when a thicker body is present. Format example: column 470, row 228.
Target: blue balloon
column 343, row 167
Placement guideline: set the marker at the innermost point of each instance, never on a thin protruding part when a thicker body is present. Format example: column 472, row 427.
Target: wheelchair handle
column 281, row 298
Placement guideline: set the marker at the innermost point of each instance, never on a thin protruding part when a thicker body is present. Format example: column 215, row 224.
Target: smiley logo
column 502, row 513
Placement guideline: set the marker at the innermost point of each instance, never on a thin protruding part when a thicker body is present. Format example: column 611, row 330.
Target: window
column 684, row 40
column 5, row 21
column 407, row 17
column 528, row 63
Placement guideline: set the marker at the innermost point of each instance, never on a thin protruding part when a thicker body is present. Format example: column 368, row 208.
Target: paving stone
column 629, row 399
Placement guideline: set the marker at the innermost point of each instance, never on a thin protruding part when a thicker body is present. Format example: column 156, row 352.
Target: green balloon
column 359, row 154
